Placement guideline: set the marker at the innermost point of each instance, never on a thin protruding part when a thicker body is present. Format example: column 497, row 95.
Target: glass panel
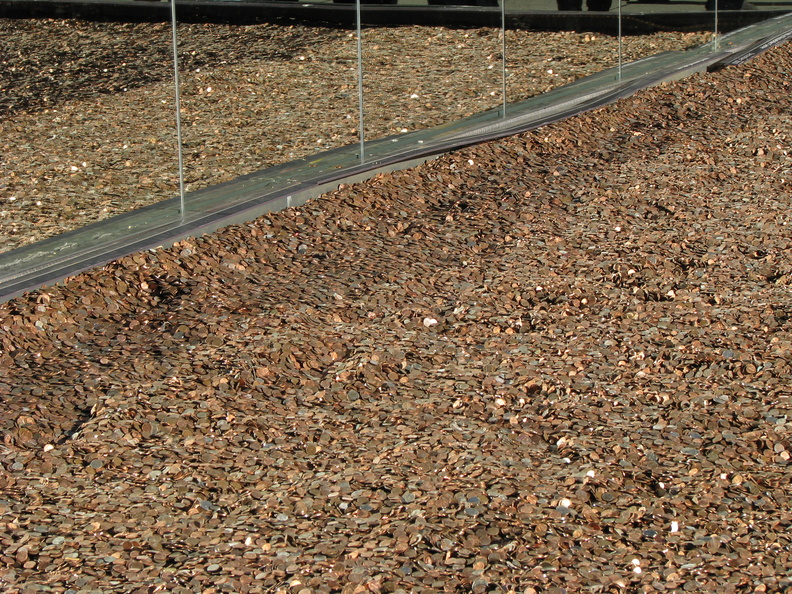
column 635, row 47
column 417, row 77
column 87, row 109
column 86, row 124
column 539, row 61
column 688, row 25
column 254, row 96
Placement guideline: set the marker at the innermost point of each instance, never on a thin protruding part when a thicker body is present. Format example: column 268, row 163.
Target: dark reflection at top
column 426, row 2
column 628, row 6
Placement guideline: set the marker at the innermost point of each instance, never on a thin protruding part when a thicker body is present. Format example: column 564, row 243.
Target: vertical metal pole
column 178, row 107
column 619, row 3
column 503, row 53
column 717, row 37
column 360, row 82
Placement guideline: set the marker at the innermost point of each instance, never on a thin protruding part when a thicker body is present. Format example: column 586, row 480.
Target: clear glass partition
column 254, row 96
column 416, row 77
column 688, row 24
column 539, row 61
column 86, row 123
column 87, row 113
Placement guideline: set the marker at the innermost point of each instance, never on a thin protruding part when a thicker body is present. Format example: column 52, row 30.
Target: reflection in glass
column 86, row 123
column 254, row 96
column 539, row 61
column 418, row 77
column 635, row 47
column 87, row 109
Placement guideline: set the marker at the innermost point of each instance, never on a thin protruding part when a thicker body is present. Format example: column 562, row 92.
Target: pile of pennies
column 557, row 362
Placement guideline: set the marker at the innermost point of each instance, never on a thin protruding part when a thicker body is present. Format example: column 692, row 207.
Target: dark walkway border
column 193, row 11
column 292, row 184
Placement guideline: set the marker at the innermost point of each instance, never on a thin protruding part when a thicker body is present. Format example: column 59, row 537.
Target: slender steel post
column 178, row 107
column 717, row 37
column 619, row 3
column 503, row 53
column 360, row 83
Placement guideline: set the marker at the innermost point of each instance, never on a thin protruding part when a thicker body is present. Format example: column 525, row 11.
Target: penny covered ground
column 558, row 362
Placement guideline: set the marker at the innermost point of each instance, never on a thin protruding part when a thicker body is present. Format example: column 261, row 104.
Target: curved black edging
column 219, row 11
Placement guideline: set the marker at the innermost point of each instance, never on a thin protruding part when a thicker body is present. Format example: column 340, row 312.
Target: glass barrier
column 254, row 96
column 540, row 61
column 86, row 124
column 417, row 77
column 678, row 16
column 87, row 114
